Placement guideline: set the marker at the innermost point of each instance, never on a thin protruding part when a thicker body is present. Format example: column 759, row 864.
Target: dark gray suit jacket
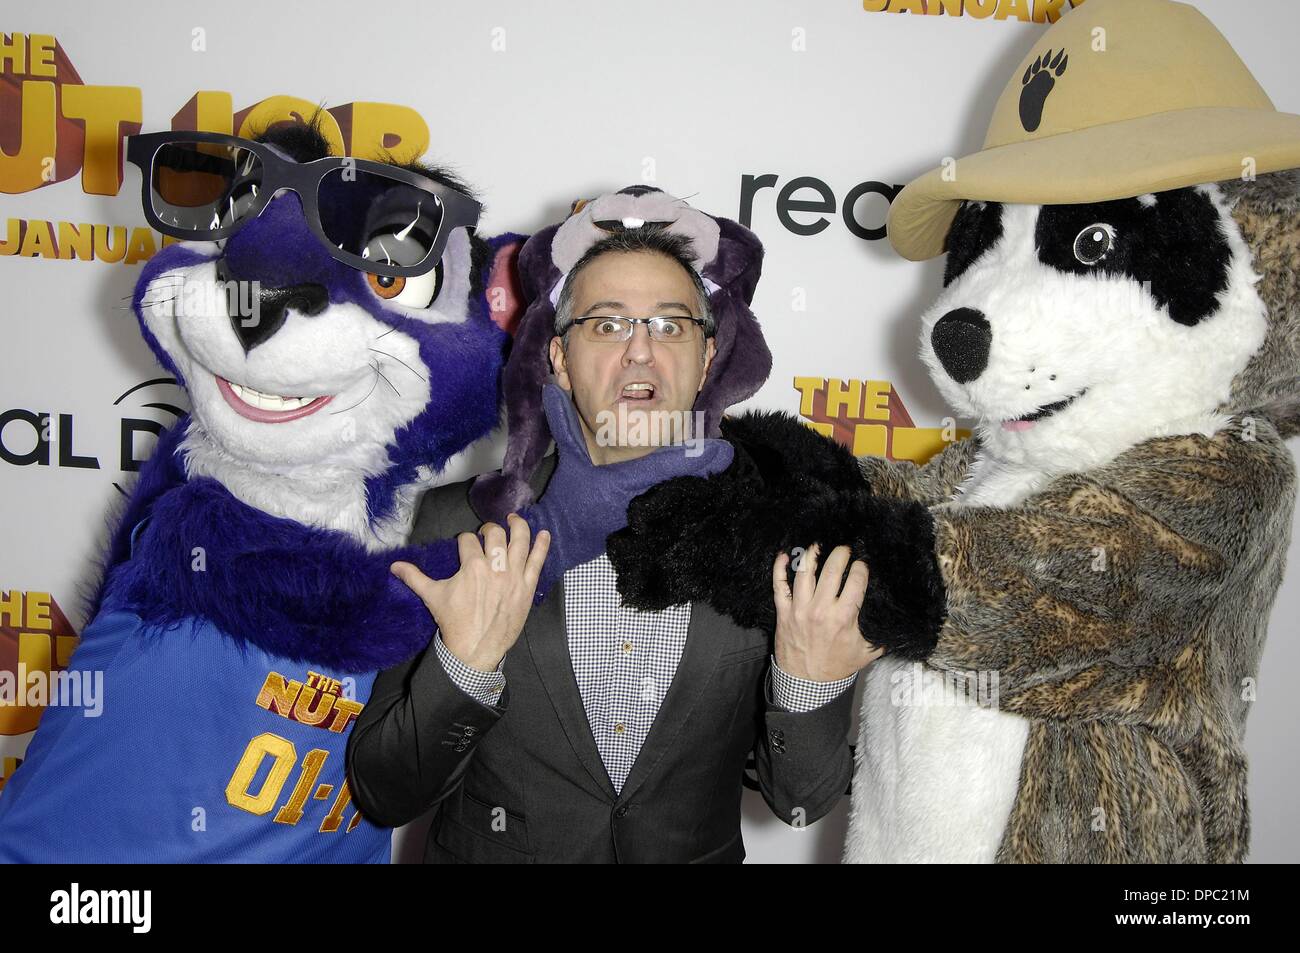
column 523, row 782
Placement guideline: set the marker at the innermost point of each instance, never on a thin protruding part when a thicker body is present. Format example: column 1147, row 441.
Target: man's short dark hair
column 644, row 239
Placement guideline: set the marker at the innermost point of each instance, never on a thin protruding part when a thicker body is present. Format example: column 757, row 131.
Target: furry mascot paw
column 714, row 539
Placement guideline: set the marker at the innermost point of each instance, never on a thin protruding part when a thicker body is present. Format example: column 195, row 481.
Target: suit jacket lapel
column 704, row 642
column 548, row 644
column 546, row 635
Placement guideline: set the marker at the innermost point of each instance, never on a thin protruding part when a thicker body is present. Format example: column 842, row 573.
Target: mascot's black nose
column 269, row 310
column 961, row 340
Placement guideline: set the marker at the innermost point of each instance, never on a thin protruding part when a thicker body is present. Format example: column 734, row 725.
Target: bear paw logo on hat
column 1039, row 81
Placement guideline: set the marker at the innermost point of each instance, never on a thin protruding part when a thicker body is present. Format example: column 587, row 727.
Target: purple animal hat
column 729, row 259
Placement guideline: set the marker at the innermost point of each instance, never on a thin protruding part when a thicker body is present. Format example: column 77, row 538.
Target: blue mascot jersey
column 205, row 750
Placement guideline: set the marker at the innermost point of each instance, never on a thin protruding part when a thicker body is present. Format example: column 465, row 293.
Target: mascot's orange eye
column 386, row 286
column 417, row 292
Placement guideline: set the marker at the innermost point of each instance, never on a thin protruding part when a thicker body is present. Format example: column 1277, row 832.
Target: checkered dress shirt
column 624, row 661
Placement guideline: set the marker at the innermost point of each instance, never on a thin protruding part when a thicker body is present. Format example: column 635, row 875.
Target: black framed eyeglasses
column 204, row 186
column 666, row 329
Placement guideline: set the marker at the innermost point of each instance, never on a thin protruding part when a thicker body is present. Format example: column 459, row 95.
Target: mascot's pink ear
column 504, row 295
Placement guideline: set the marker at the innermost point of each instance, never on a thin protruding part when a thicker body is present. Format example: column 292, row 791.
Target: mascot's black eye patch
column 1174, row 244
column 976, row 228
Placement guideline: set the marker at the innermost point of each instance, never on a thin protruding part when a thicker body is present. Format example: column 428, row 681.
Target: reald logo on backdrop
column 44, row 438
column 809, row 194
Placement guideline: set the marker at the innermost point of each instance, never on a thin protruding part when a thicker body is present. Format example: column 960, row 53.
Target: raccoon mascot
column 1088, row 579
column 247, row 602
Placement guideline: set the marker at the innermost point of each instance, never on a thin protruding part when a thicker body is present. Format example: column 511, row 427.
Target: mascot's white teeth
column 1028, row 420
column 268, row 401
column 267, row 408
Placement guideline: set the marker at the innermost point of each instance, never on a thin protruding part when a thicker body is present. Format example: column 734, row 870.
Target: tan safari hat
column 1117, row 98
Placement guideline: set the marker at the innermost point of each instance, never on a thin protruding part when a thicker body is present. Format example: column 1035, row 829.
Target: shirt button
column 627, row 647
column 618, row 728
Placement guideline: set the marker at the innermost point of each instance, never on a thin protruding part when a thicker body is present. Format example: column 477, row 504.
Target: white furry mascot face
column 322, row 392
column 1072, row 332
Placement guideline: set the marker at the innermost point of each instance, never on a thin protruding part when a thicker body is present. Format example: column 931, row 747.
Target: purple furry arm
column 160, row 473
column 318, row 595
column 715, row 539
column 306, row 594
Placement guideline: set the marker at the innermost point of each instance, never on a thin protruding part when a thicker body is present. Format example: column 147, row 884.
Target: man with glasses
column 584, row 731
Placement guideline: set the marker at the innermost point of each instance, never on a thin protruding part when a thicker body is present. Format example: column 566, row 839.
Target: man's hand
column 481, row 610
column 817, row 635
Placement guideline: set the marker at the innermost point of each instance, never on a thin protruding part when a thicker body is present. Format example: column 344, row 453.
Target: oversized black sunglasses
column 204, row 186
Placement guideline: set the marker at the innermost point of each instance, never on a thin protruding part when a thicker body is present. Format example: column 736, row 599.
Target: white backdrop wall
column 535, row 104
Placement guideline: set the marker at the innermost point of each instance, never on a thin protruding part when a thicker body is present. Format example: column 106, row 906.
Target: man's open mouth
column 1026, row 422
column 637, row 391
column 268, row 408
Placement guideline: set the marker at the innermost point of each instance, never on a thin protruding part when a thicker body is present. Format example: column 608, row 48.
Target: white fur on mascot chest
column 1082, row 358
